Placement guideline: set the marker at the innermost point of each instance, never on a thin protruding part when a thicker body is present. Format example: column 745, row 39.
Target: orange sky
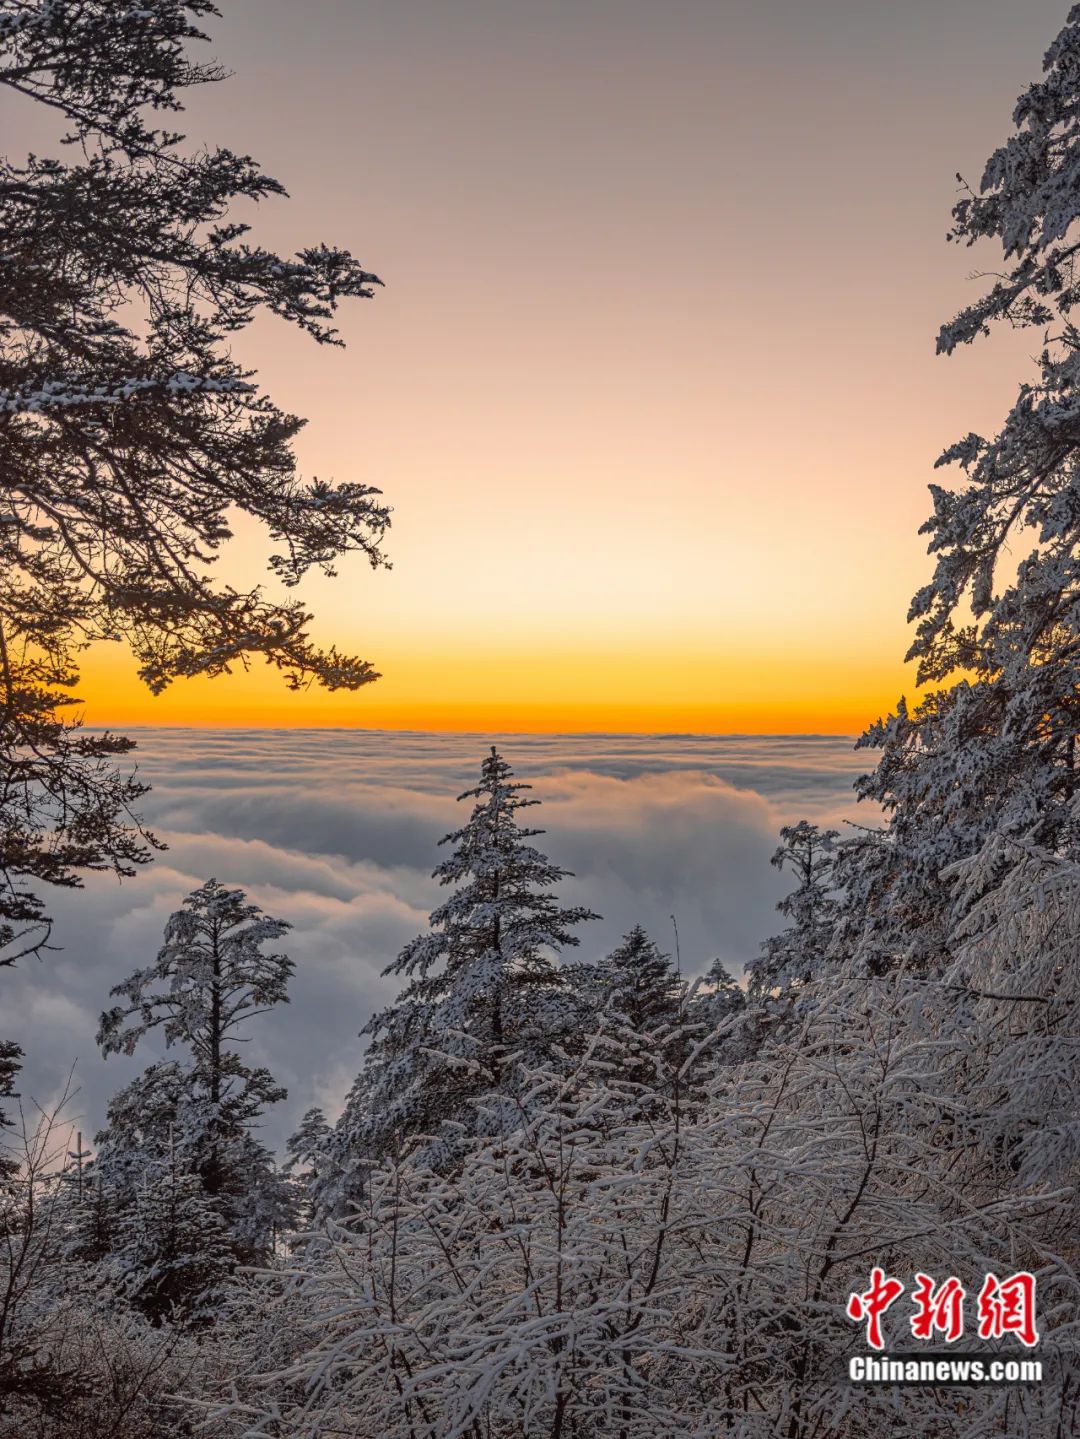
column 582, row 691
column 651, row 387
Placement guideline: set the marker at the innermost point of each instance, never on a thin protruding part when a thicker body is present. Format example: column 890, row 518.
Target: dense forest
column 569, row 1194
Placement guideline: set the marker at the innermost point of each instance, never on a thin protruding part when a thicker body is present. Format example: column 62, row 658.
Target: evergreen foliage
column 482, row 983
column 179, row 1144
column 991, row 749
column 638, row 980
column 130, row 433
column 590, row 1201
column 795, row 956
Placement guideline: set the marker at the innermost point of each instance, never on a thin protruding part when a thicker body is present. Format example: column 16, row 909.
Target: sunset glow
column 605, row 691
column 652, row 390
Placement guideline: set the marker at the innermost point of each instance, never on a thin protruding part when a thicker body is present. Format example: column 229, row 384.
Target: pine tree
column 797, row 955
column 212, row 976
column 173, row 1250
column 638, row 980
column 482, row 982
column 992, row 749
column 720, row 995
column 308, row 1164
column 129, row 432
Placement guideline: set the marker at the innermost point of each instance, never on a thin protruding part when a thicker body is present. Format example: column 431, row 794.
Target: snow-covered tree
column 533, row 1286
column 212, row 976
column 992, row 748
column 308, row 1162
column 719, row 995
column 1011, row 982
column 637, row 978
column 173, row 1249
column 798, row 953
column 75, row 1362
column 307, row 1141
column 482, row 982
column 10, row 1055
column 636, row 993
column 679, row 1261
column 130, row 431
column 92, row 1219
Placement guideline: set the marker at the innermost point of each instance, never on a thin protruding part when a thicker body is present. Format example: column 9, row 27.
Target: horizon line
column 439, row 733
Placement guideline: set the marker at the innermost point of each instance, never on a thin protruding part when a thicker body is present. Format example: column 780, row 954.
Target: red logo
column 872, row 1305
column 938, row 1311
column 1006, row 1306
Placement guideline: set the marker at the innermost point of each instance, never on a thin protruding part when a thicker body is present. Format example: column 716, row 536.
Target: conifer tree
column 173, row 1250
column 307, row 1141
column 797, row 955
column 720, row 994
column 638, row 1010
column 212, row 976
column 93, row 1220
column 482, row 983
column 308, row 1164
column 130, row 432
column 991, row 750
column 637, row 979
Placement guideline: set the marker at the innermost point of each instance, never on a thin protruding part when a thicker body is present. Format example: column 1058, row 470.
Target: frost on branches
column 128, row 428
column 989, row 756
column 76, row 1362
column 179, row 1150
column 482, row 990
column 657, row 1257
column 588, row 1200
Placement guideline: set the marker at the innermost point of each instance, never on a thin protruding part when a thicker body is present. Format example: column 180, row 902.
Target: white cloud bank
column 336, row 832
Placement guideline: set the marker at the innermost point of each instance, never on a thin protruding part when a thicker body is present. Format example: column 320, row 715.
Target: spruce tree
column 637, row 979
column 130, row 432
column 795, row 956
column 212, row 976
column 991, row 750
column 482, row 983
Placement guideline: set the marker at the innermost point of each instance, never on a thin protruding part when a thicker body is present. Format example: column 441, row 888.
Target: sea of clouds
column 337, row 832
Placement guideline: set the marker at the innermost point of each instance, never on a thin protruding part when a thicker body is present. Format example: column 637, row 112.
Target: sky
column 337, row 833
column 651, row 386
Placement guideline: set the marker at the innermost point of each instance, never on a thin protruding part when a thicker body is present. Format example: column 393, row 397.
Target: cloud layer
column 336, row 832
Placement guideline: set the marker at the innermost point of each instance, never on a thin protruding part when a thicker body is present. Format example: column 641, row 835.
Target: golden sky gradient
column 651, row 387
